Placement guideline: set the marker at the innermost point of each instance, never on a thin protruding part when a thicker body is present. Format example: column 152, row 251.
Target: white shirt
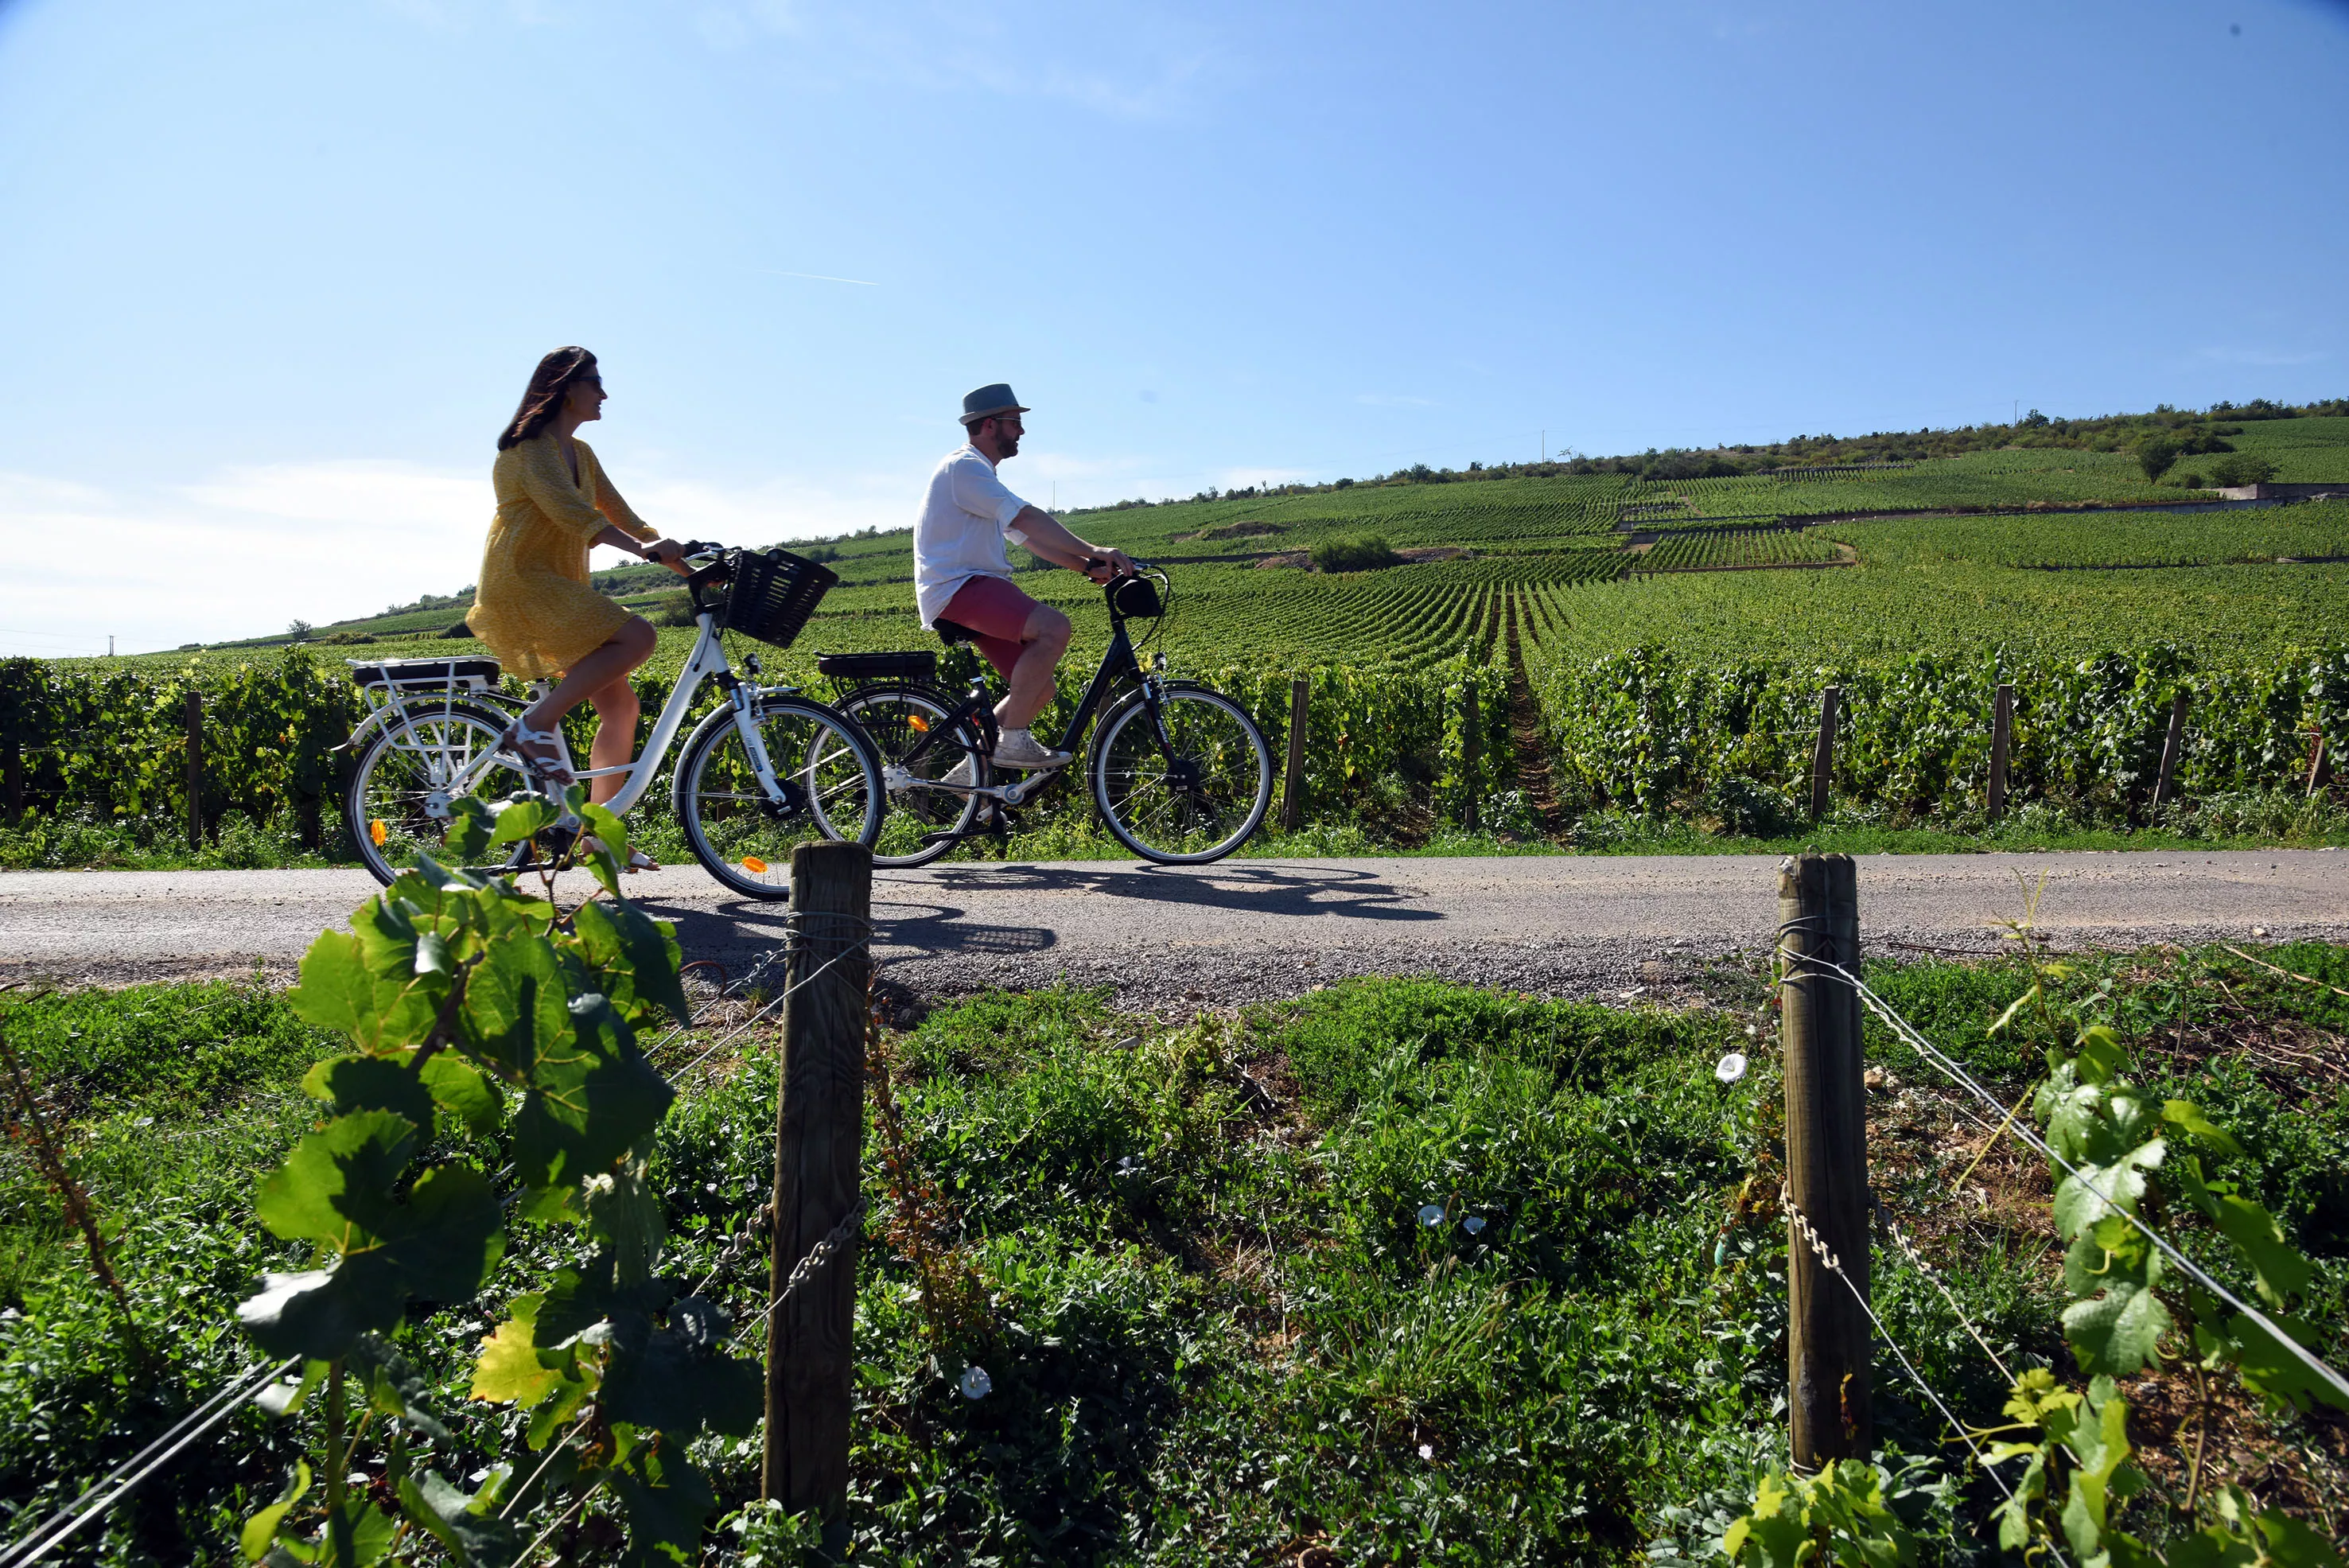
column 966, row 518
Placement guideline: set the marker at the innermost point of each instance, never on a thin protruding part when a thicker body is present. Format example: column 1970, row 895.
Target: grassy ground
column 1398, row 1273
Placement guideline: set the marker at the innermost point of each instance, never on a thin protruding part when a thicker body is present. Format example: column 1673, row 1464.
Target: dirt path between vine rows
column 1620, row 927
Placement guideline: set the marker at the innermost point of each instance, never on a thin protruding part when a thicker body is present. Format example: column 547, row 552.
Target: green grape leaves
column 456, row 1519
column 350, row 1083
column 368, row 990
column 337, row 1188
column 672, row 1380
column 639, row 955
column 516, row 1003
column 262, row 1528
column 667, row 1499
column 592, row 1096
column 456, row 991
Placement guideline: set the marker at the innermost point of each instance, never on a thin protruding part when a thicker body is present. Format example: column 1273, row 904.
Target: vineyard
column 1558, row 590
column 1714, row 550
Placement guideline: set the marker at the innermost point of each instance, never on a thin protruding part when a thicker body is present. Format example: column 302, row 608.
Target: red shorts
column 998, row 613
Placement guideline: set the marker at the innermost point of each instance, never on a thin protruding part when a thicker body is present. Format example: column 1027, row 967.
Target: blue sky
column 272, row 275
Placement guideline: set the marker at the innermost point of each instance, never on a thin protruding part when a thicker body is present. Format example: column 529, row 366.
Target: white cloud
column 250, row 548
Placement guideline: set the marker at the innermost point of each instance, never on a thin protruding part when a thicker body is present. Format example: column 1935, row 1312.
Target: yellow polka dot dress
column 533, row 608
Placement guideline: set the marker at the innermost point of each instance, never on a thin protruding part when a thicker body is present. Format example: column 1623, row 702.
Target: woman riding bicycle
column 534, row 610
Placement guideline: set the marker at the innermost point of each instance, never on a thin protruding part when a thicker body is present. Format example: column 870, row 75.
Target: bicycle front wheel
column 1184, row 780
column 402, row 789
column 827, row 785
column 897, row 719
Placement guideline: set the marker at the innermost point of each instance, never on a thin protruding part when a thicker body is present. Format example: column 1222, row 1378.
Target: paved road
column 1247, row 929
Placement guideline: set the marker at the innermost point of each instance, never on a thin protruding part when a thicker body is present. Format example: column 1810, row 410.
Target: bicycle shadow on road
column 928, row 928
column 1253, row 888
column 898, row 923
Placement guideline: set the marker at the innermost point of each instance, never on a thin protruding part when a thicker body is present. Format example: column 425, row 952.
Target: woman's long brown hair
column 544, row 397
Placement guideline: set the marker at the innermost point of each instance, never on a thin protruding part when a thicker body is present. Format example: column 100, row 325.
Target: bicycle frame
column 1119, row 667
column 706, row 662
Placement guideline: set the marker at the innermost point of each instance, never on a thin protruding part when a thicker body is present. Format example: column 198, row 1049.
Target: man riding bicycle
column 962, row 573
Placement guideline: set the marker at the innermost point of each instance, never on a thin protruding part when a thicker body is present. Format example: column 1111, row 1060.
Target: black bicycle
column 1180, row 773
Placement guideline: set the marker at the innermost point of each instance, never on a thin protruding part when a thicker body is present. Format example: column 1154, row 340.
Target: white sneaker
column 1019, row 749
column 964, row 771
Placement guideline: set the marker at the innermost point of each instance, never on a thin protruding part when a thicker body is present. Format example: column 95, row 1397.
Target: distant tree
column 2154, row 454
column 297, row 629
column 2034, row 420
column 2242, row 468
column 1354, row 552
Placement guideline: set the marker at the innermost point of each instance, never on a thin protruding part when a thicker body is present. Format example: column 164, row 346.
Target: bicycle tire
column 830, row 775
column 880, row 711
column 1218, row 776
column 398, row 808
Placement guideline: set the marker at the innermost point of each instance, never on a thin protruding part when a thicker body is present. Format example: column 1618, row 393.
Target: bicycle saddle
column 951, row 632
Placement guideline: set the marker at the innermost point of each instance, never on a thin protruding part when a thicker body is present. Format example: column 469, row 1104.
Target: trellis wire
column 817, row 1257
column 1957, row 1073
column 1828, row 1260
column 1909, row 1250
column 53, row 1530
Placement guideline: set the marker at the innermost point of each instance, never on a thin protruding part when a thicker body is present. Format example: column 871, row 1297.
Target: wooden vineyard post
column 1827, row 1352
column 14, row 781
column 2320, row 769
column 2165, row 783
column 2002, row 743
column 1292, row 788
column 819, row 1160
column 1468, row 757
column 1823, row 757
column 195, row 721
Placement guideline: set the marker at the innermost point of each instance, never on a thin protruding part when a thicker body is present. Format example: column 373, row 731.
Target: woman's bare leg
column 607, row 666
column 616, row 737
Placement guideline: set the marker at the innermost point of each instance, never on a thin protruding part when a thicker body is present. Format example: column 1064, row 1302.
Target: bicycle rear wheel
column 1188, row 788
column 897, row 719
column 400, row 790
column 829, row 783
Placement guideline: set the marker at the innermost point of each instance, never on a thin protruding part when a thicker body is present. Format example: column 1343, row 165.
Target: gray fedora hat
column 990, row 400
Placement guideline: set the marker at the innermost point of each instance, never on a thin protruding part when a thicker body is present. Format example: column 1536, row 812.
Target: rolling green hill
column 1939, row 551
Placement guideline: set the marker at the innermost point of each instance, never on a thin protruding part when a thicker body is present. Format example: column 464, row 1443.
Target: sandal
column 637, row 859
column 555, row 770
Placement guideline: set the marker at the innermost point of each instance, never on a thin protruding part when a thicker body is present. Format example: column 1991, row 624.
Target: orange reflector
column 753, row 864
column 377, row 832
column 916, row 723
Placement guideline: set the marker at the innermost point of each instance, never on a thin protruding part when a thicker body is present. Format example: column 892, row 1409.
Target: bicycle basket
column 773, row 594
column 878, row 666
column 1136, row 598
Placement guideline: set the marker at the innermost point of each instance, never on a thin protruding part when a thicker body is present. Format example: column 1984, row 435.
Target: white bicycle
column 767, row 771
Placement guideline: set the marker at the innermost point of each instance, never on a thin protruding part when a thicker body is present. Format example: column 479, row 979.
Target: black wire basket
column 773, row 594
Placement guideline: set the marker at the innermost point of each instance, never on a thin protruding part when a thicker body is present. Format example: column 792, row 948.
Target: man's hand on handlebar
column 1103, row 565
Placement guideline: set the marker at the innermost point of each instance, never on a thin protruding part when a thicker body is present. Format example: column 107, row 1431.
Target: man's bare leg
column 1046, row 636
